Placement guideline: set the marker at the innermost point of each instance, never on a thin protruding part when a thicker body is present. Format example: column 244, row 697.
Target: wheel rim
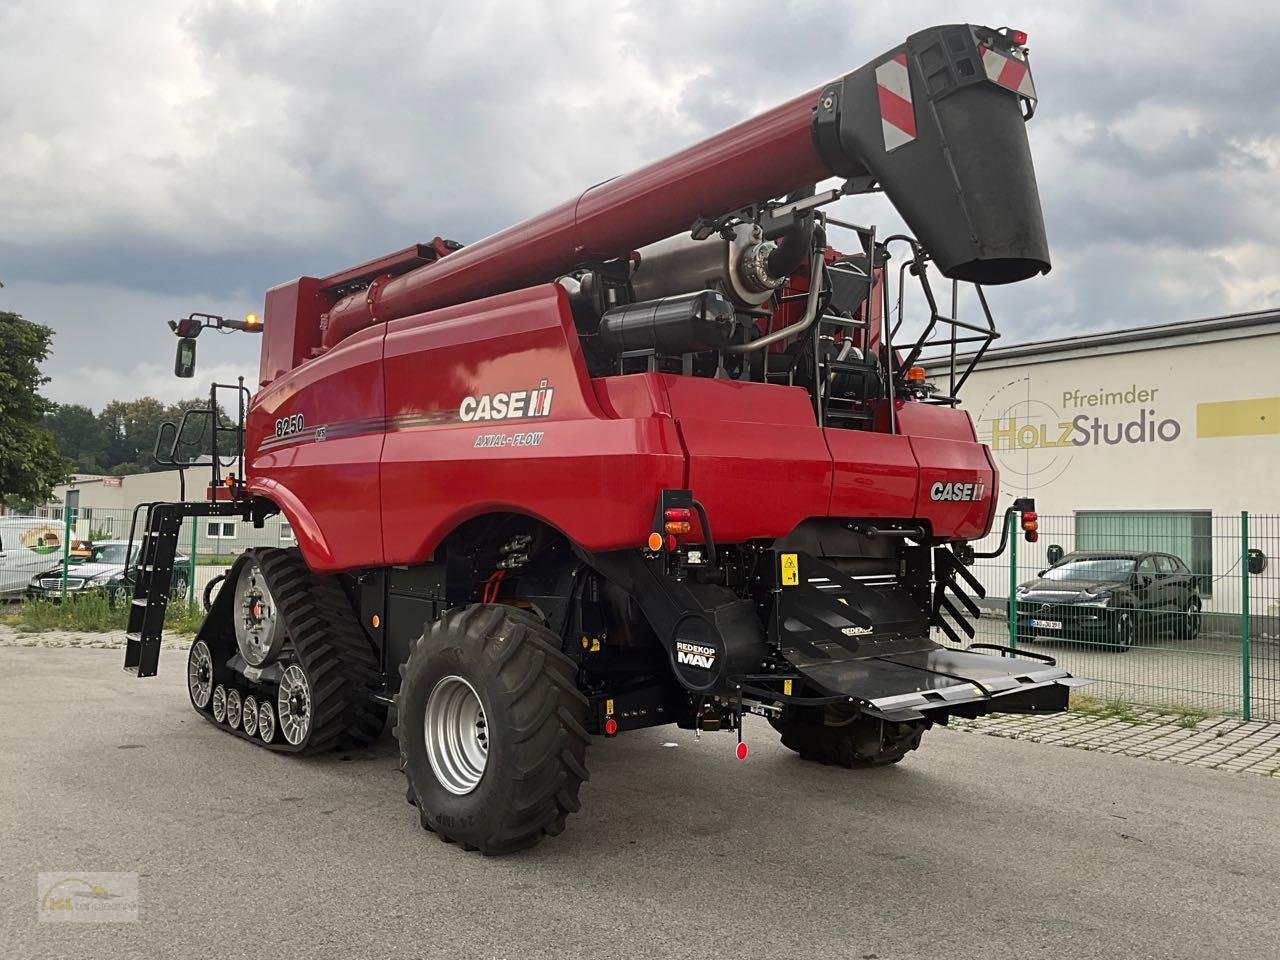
column 258, row 627
column 233, row 708
column 1124, row 631
column 293, row 705
column 200, row 674
column 219, row 703
column 250, row 711
column 266, row 722
column 1193, row 619
column 457, row 735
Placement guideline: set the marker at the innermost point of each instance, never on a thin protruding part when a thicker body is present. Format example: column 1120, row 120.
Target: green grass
column 92, row 613
column 217, row 559
column 1121, row 710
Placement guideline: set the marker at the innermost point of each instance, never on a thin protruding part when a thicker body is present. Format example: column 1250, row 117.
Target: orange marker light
column 915, row 375
column 376, row 621
column 677, row 528
column 655, row 542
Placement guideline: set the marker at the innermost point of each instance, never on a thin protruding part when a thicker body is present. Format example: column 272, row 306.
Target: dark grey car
column 102, row 571
column 1110, row 597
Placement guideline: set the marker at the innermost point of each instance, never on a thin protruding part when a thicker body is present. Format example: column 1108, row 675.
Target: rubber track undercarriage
column 317, row 687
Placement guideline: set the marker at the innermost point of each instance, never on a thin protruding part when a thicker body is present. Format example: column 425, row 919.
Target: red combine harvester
column 652, row 457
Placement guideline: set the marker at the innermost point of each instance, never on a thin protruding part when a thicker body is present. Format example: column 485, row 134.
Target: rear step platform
column 864, row 640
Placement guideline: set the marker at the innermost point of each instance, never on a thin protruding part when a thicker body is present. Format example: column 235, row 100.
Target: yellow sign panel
column 790, row 569
column 786, row 688
column 1238, row 418
column 43, row 539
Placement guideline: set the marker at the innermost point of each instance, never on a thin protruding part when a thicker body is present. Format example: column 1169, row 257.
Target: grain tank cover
column 939, row 123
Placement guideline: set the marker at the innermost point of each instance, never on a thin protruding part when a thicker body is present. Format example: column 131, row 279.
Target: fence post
column 1013, row 579
column 66, row 547
column 191, row 573
column 1246, row 652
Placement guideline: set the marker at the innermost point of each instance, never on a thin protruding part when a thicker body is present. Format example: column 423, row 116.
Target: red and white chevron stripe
column 1008, row 71
column 897, row 112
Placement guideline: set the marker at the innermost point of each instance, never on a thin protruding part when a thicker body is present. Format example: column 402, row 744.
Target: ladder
column 152, row 576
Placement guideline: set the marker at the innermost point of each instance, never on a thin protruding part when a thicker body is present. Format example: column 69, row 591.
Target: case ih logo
column 517, row 405
column 960, row 492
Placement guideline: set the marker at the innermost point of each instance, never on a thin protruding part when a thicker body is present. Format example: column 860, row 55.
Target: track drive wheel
column 832, row 735
column 491, row 729
column 329, row 671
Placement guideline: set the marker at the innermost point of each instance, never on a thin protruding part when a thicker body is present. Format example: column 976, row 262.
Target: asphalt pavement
column 973, row 847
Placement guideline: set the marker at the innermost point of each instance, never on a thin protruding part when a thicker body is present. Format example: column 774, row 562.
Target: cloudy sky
column 158, row 158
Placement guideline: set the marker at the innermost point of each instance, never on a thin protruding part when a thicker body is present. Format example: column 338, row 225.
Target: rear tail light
column 1030, row 526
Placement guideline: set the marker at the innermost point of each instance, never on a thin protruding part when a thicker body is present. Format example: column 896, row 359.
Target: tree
column 80, row 437
column 30, row 464
column 130, row 428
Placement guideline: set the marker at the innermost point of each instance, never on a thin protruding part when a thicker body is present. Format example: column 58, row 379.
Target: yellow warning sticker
column 608, row 708
column 786, row 688
column 790, row 569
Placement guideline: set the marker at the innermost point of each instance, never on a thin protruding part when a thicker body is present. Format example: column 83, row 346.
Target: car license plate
column 1047, row 624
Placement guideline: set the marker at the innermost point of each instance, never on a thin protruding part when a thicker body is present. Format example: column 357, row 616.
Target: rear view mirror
column 1257, row 561
column 184, row 364
column 1054, row 554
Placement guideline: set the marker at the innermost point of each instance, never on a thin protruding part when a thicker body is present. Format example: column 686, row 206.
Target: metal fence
column 1192, row 622
column 1229, row 662
column 206, row 546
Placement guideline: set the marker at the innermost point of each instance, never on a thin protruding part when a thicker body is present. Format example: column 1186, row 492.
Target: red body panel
column 593, row 477
column 757, row 460
column 380, row 448
column 326, row 481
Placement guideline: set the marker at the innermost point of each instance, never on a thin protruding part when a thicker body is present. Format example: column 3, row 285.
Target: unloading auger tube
column 937, row 123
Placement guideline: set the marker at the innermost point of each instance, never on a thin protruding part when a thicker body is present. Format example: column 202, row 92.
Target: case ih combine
column 652, row 457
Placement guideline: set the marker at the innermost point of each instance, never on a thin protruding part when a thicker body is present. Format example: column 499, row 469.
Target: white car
column 28, row 545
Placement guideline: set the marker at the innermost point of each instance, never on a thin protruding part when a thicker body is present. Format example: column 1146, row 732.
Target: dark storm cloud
column 189, row 156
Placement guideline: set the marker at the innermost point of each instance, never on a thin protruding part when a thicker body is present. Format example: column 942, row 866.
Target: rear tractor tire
column 491, row 729
column 831, row 735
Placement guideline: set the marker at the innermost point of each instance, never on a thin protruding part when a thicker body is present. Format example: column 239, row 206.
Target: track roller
column 250, row 712
column 219, row 704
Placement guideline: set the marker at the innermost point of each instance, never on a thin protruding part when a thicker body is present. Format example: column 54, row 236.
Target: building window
column 220, row 530
column 286, row 533
column 1187, row 535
